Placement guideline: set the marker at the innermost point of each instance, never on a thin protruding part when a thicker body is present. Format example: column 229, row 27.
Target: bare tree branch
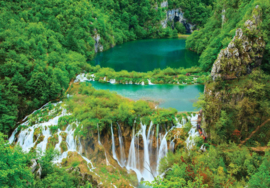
column 253, row 132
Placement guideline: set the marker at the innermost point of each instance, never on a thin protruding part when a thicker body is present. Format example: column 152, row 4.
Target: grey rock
column 242, row 54
column 178, row 15
column 34, row 165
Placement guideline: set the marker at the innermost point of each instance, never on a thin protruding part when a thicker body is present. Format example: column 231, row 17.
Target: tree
column 14, row 170
column 180, row 28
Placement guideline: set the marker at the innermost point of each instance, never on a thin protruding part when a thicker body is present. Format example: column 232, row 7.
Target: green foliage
column 75, row 163
column 157, row 76
column 103, row 108
column 53, row 129
column 180, row 28
column 196, row 11
column 216, row 35
column 44, row 44
column 222, row 166
column 14, row 171
column 63, row 146
column 262, row 177
column 53, row 176
column 237, row 105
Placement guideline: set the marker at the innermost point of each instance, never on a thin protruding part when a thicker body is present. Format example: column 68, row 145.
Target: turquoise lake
column 146, row 55
column 174, row 96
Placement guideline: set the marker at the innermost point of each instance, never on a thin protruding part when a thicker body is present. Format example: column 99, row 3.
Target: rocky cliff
column 176, row 15
column 236, row 76
column 244, row 52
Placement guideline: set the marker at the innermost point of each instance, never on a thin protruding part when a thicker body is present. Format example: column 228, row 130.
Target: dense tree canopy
column 219, row 31
column 45, row 43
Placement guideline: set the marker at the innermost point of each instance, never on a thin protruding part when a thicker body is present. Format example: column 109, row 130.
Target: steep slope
column 220, row 28
column 237, row 96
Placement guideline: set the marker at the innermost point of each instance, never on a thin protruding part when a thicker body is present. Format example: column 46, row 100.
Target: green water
column 146, row 55
column 175, row 96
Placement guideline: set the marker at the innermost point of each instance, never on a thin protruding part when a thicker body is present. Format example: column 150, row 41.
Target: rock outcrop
column 98, row 45
column 244, row 52
column 176, row 15
column 231, row 74
column 36, row 168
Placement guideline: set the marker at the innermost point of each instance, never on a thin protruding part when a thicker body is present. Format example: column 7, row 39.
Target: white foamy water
column 145, row 168
column 26, row 137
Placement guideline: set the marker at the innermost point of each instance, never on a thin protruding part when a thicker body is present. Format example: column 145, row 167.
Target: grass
column 183, row 36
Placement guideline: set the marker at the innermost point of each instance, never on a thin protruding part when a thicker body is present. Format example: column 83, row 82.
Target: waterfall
column 98, row 135
column 113, row 147
column 107, row 162
column 122, row 148
column 172, row 146
column 132, row 163
column 146, row 164
column 192, row 133
column 163, row 150
column 157, row 149
column 149, row 130
column 57, row 146
column 25, row 139
column 140, row 159
column 12, row 137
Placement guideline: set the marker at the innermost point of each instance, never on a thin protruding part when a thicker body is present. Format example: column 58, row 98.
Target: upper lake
column 146, row 55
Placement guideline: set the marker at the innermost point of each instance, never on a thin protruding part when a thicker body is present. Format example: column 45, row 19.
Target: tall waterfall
column 172, row 146
column 142, row 159
column 146, row 163
column 122, row 147
column 113, row 145
column 131, row 163
column 98, row 135
column 163, row 150
column 113, row 148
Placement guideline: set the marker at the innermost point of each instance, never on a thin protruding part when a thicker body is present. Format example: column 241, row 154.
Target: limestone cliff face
column 176, row 15
column 98, row 45
column 243, row 53
column 230, row 81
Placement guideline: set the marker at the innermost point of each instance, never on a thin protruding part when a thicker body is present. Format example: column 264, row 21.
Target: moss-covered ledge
column 193, row 75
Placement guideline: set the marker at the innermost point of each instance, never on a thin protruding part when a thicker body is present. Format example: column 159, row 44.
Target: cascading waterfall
column 122, row 148
column 172, row 146
column 145, row 167
column 57, row 146
column 163, row 150
column 132, row 163
column 146, row 164
column 192, row 133
column 113, row 147
column 25, row 137
column 98, row 135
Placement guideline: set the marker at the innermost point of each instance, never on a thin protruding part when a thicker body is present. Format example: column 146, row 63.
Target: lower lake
column 180, row 97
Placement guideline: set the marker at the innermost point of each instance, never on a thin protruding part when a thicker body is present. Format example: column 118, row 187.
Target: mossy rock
column 52, row 141
column 37, row 132
column 40, row 139
column 63, row 146
column 63, row 135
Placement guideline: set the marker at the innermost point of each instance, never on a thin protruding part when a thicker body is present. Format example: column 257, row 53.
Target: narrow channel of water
column 174, row 96
column 146, row 55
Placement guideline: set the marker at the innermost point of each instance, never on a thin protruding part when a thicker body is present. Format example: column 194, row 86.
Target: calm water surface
column 175, row 96
column 146, row 55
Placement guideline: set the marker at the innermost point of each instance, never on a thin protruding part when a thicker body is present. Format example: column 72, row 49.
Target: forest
column 45, row 44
